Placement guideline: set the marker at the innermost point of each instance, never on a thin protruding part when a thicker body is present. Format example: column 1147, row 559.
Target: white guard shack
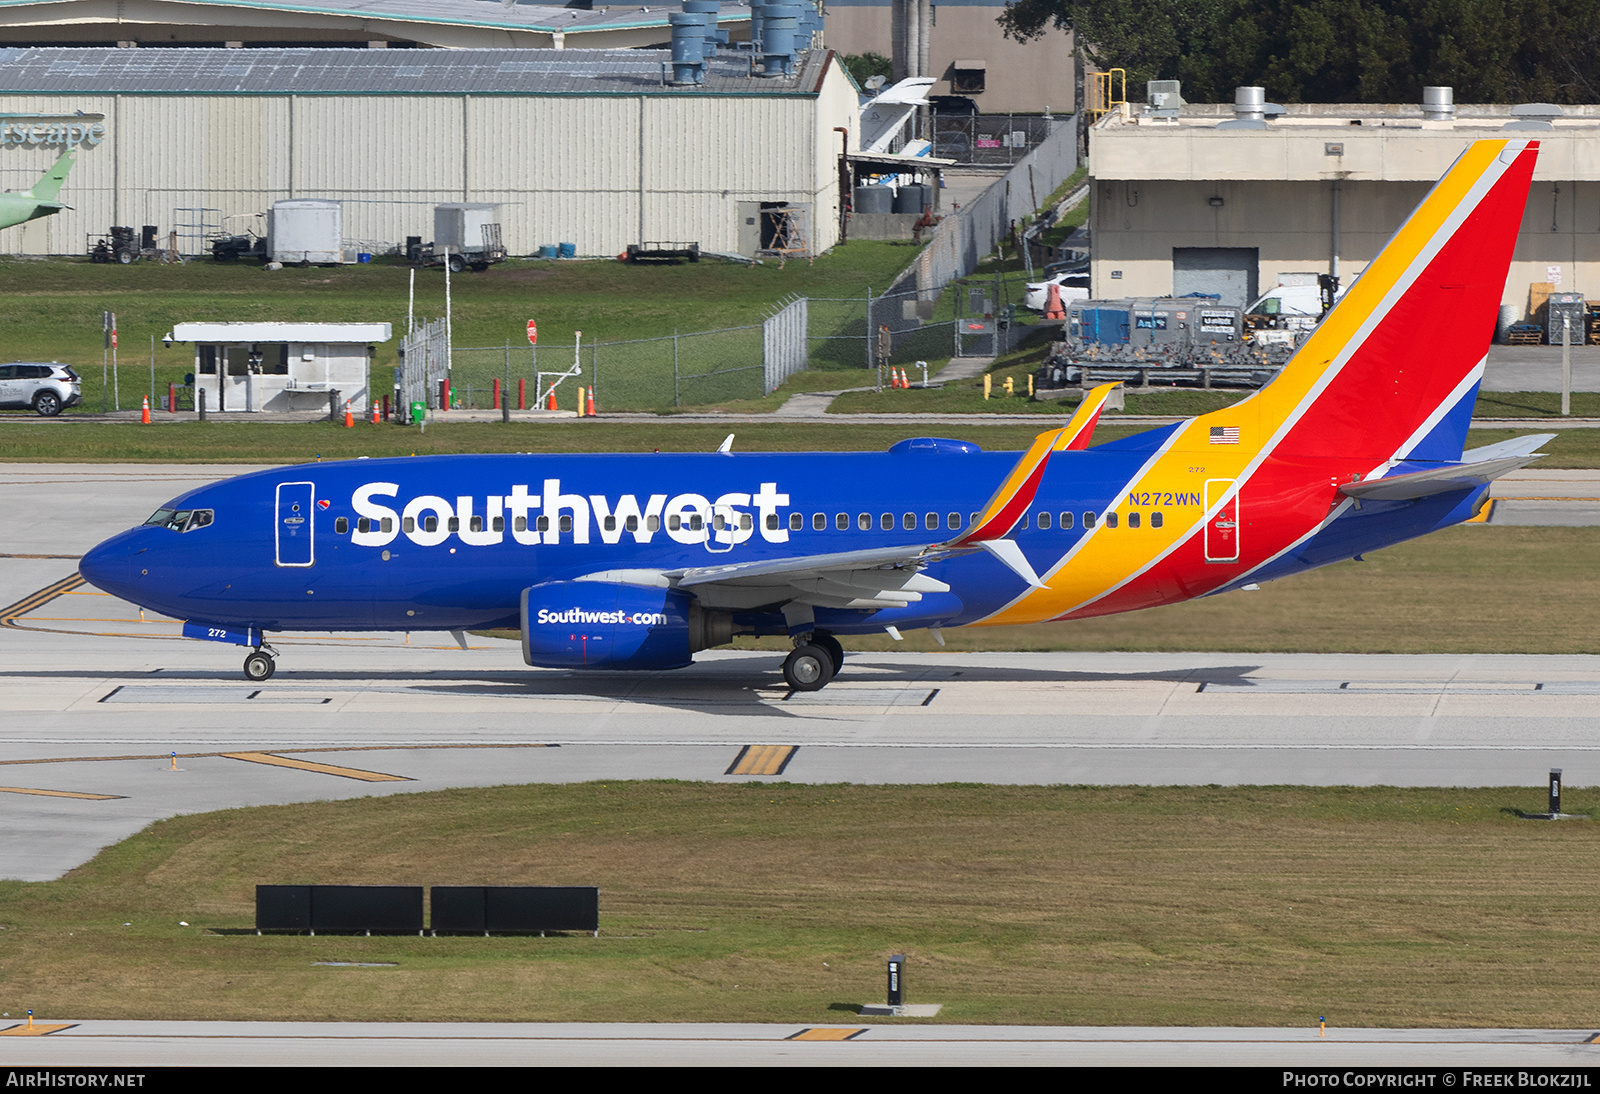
column 278, row 367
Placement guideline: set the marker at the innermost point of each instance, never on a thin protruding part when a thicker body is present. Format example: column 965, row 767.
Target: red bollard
column 444, row 394
column 496, row 404
column 172, row 398
column 386, row 408
column 522, row 394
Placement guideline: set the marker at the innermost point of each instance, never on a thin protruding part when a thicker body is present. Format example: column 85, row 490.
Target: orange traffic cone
column 349, row 419
column 374, row 412
column 550, row 403
column 591, row 403
column 144, row 415
column 1052, row 303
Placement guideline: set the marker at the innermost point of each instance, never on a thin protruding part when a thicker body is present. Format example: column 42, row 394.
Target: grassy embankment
column 53, row 307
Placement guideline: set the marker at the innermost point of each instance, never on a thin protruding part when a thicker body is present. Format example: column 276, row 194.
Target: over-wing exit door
column 1222, row 530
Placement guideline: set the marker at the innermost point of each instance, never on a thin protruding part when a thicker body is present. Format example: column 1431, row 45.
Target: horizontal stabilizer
column 1437, row 480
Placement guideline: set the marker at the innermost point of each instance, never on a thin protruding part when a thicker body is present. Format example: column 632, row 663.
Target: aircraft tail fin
column 1392, row 371
column 46, row 189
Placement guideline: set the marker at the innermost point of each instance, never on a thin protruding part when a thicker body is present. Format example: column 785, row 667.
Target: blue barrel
column 547, row 251
column 569, row 250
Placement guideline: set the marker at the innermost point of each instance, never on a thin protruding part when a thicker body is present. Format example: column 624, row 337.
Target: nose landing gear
column 259, row 664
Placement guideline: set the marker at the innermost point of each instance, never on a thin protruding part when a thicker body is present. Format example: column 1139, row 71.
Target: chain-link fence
column 991, row 139
column 962, row 239
column 686, row 369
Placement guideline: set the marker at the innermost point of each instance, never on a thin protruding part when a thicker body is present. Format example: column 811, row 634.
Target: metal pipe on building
column 1438, row 104
column 1249, row 104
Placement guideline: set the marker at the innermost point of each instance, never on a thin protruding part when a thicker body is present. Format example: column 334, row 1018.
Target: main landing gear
column 817, row 659
column 259, row 664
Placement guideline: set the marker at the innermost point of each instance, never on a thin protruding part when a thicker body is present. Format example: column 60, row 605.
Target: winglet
column 1009, row 502
column 726, row 447
column 1080, row 430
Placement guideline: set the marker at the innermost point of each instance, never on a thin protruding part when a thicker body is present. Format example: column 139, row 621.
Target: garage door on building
column 1227, row 272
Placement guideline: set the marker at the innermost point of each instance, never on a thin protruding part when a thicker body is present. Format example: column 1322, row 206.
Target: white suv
column 46, row 388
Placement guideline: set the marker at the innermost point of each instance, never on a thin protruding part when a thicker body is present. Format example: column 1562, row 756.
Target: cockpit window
column 181, row 520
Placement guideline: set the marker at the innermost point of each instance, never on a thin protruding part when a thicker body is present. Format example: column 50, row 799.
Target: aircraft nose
column 108, row 566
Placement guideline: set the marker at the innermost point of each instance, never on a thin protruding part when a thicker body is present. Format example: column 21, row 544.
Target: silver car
column 46, row 388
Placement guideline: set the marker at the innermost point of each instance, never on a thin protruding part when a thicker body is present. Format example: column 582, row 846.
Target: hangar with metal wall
column 1189, row 200
column 591, row 147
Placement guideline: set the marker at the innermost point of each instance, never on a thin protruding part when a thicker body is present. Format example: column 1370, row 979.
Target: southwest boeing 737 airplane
column 639, row 561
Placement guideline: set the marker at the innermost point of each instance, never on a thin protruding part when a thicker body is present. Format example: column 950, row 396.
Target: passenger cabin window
column 1111, row 520
column 796, row 522
column 363, row 525
column 610, row 523
column 520, row 524
column 745, row 523
column 1044, row 520
column 1155, row 520
column 952, row 521
column 499, row 524
column 1066, row 520
column 543, row 525
column 1133, row 520
column 566, row 523
column 632, row 524
column 408, row 524
column 841, row 521
column 819, row 522
column 341, row 525
column 652, row 523
column 1088, row 519
column 430, row 524
column 864, row 522
column 886, row 522
column 930, row 521
column 909, row 522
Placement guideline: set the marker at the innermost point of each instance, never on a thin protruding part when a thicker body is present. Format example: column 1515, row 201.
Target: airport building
column 1228, row 199
column 354, row 24
column 597, row 148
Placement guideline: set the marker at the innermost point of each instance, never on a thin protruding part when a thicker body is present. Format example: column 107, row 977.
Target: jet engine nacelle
column 615, row 625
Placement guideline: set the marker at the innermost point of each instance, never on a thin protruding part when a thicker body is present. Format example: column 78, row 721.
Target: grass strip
column 1251, row 906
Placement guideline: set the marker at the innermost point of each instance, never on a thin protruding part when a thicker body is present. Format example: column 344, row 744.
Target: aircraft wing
column 885, row 577
column 1487, row 464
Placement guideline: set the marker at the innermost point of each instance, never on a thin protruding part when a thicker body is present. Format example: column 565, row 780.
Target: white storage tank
column 459, row 226
column 306, row 231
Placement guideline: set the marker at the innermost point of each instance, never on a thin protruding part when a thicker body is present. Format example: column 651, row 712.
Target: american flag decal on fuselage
column 1224, row 434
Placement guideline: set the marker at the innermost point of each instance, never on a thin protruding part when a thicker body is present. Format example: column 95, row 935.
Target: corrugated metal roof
column 478, row 13
column 60, row 70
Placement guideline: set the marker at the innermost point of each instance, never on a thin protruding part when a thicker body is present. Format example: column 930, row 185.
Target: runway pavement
column 131, row 1045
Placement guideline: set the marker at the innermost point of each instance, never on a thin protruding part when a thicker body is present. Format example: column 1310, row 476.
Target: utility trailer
column 466, row 234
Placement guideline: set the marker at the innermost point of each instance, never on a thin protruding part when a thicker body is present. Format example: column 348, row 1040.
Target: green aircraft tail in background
column 40, row 199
